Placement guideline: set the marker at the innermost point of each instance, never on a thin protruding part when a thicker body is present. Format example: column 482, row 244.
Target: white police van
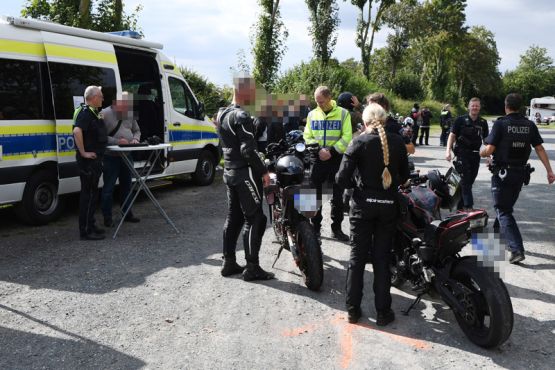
column 44, row 69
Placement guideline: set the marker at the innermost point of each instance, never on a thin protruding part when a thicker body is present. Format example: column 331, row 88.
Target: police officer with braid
column 467, row 134
column 510, row 143
column 244, row 177
column 382, row 164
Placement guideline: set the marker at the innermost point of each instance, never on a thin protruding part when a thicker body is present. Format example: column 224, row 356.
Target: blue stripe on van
column 191, row 135
column 19, row 144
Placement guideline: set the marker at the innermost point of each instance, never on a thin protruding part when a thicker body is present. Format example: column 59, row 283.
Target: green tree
column 534, row 76
column 474, row 68
column 211, row 95
column 100, row 15
column 441, row 29
column 364, row 24
column 324, row 21
column 268, row 40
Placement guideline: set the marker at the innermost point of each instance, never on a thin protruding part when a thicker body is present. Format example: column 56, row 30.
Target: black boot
column 353, row 314
column 385, row 317
column 253, row 271
column 231, row 267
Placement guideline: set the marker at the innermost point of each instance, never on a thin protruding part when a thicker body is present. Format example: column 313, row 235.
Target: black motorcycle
column 292, row 204
column 426, row 253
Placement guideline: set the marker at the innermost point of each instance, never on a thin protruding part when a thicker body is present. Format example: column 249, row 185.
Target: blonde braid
column 386, row 175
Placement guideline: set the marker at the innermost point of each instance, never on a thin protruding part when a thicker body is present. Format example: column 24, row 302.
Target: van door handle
column 177, row 124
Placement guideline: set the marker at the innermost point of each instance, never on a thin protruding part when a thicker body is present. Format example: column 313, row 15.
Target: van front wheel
column 41, row 203
column 206, row 169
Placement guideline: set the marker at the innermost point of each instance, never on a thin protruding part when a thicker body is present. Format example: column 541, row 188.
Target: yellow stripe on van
column 14, row 157
column 22, row 47
column 64, row 129
column 71, row 52
column 28, row 129
column 193, row 128
column 69, row 153
column 205, row 141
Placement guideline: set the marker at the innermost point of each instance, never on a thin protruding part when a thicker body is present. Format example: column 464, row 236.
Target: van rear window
column 69, row 80
column 24, row 90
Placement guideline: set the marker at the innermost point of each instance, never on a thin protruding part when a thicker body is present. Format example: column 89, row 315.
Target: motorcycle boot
column 231, row 267
column 253, row 271
column 385, row 317
column 338, row 234
column 353, row 314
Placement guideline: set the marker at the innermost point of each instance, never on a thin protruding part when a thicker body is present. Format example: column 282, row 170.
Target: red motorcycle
column 426, row 253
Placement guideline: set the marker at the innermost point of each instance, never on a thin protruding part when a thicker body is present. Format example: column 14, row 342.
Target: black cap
column 344, row 100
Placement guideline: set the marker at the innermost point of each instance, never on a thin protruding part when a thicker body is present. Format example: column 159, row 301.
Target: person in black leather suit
column 382, row 164
column 244, row 177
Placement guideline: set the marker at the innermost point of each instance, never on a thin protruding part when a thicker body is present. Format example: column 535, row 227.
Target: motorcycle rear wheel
column 311, row 263
column 488, row 319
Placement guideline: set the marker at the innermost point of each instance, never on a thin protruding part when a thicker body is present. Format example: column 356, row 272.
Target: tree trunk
column 365, row 57
column 118, row 14
column 84, row 13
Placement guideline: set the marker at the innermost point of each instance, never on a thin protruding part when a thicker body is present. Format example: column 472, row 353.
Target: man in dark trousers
column 426, row 116
column 445, row 121
column 329, row 126
column 91, row 137
column 467, row 134
column 244, row 177
column 510, row 143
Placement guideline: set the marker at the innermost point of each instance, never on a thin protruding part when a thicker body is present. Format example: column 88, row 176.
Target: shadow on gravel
column 441, row 328
column 22, row 350
column 53, row 257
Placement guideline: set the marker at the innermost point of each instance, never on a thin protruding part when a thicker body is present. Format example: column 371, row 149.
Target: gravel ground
column 154, row 299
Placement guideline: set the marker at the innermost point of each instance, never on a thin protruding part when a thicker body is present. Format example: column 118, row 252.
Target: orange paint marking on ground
column 416, row 343
column 298, row 331
column 346, row 345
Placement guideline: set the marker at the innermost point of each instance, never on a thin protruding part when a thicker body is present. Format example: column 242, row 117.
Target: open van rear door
column 73, row 64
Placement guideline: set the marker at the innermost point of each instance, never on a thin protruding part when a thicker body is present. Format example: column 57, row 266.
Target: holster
column 527, row 172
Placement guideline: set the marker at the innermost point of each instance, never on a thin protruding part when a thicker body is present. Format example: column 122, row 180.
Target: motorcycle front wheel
column 311, row 263
column 488, row 317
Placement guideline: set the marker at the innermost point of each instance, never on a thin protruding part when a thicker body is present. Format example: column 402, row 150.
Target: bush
column 407, row 86
column 306, row 77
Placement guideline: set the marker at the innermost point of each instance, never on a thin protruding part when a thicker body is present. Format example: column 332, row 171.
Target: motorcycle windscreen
column 453, row 180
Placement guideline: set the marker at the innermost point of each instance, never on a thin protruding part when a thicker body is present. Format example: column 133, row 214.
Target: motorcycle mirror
column 300, row 147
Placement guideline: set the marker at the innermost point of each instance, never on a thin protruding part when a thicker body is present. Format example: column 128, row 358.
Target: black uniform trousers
column 505, row 193
column 89, row 174
column 372, row 227
column 424, row 134
column 244, row 200
column 324, row 172
column 470, row 162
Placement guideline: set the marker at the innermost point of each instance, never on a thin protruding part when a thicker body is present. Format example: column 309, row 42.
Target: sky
column 206, row 36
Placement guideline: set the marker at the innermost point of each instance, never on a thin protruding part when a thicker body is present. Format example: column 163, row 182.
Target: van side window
column 70, row 80
column 24, row 90
column 182, row 99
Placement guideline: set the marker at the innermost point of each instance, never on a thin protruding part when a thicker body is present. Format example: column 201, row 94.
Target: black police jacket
column 95, row 134
column 237, row 134
column 513, row 136
column 470, row 134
